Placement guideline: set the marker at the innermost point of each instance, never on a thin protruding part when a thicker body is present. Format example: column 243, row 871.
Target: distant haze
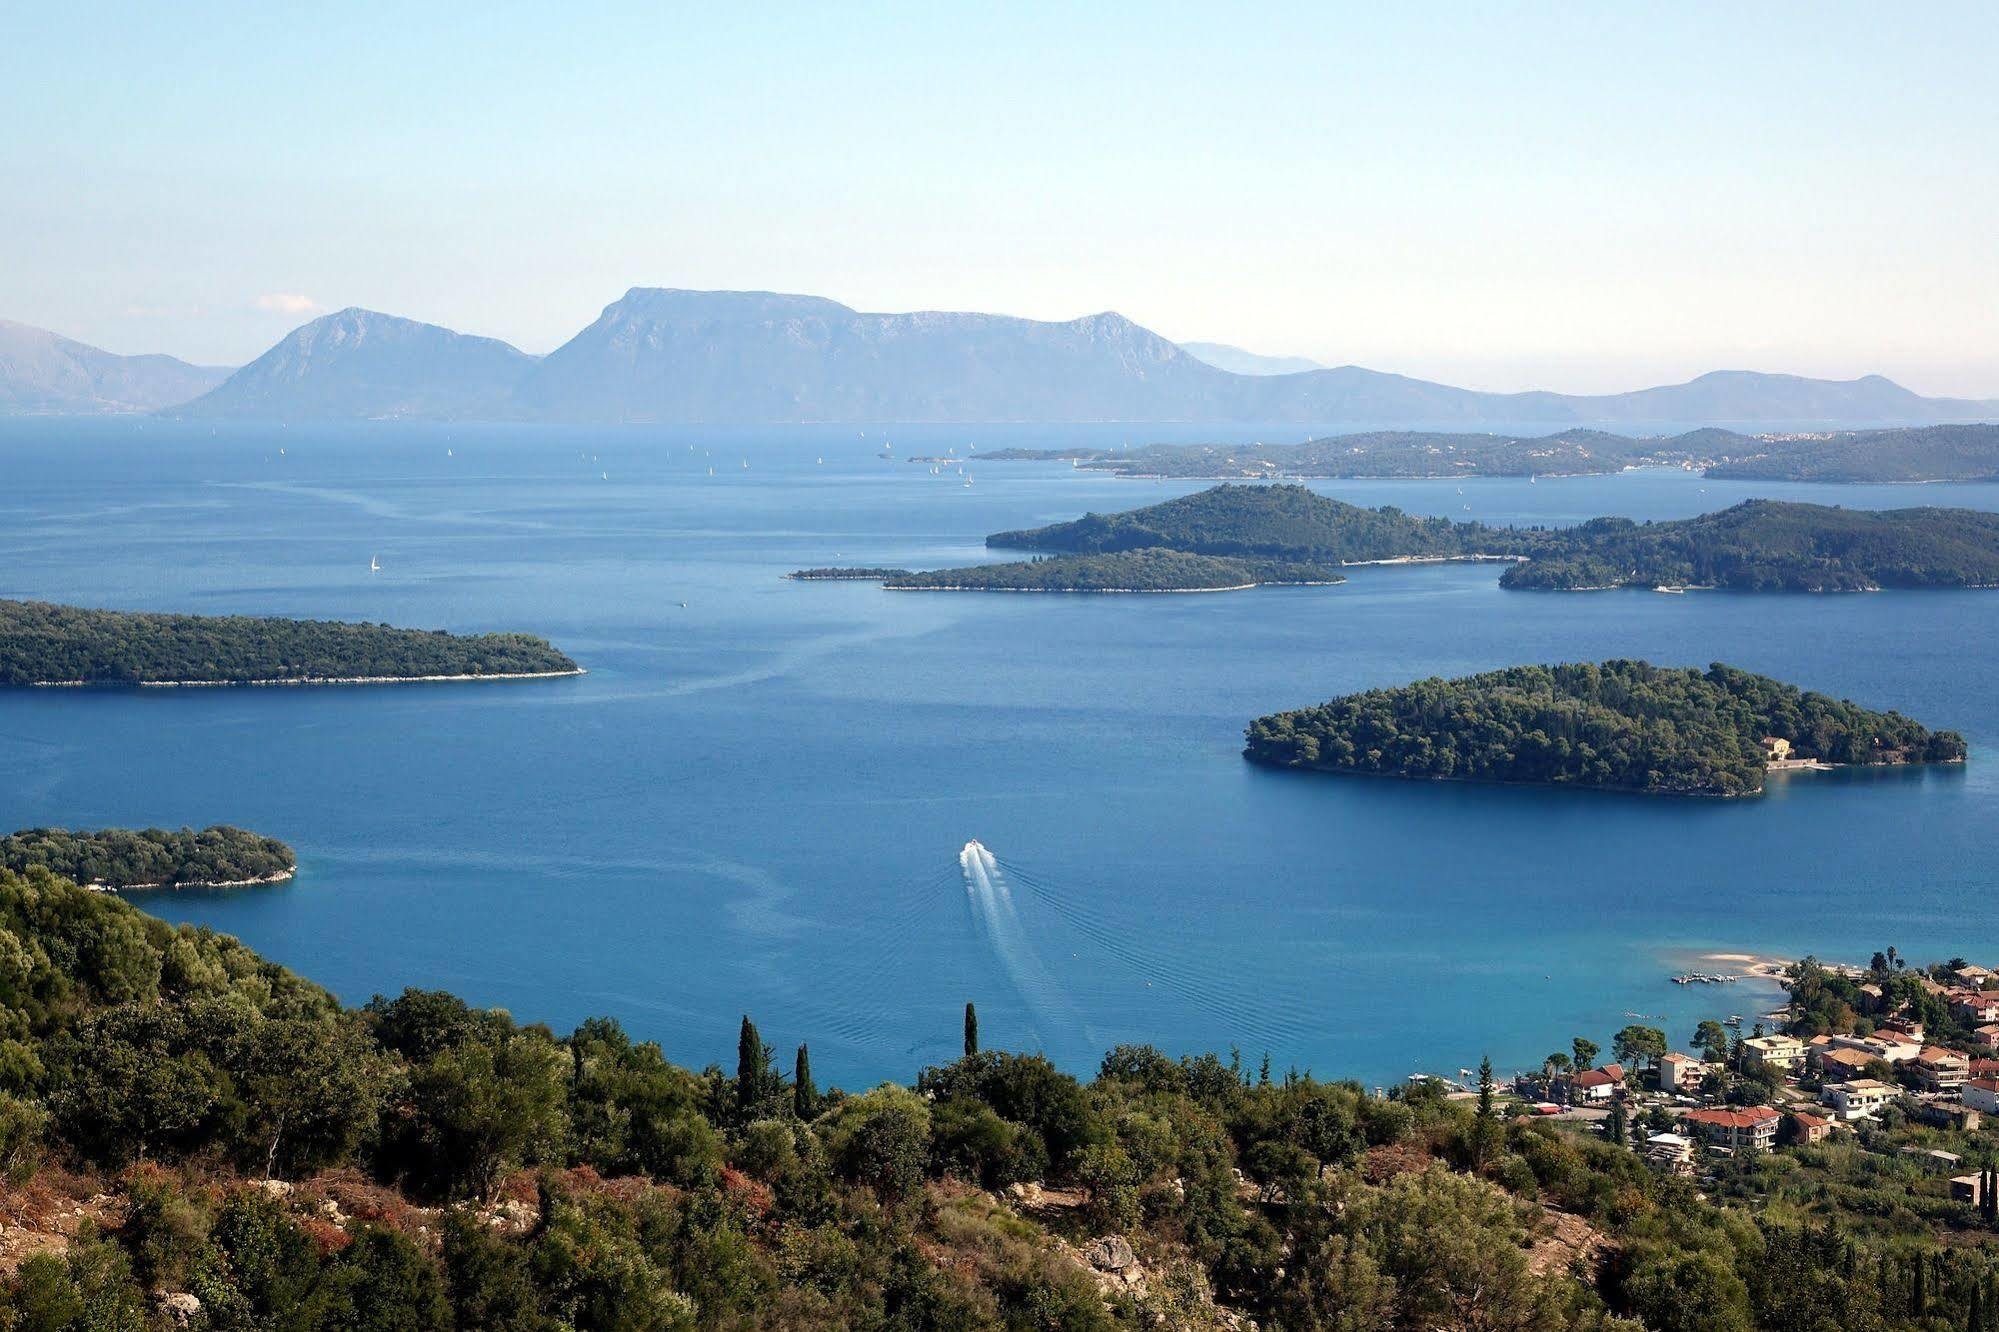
column 1581, row 200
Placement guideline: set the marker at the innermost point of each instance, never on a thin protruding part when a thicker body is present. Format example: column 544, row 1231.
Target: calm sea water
column 756, row 800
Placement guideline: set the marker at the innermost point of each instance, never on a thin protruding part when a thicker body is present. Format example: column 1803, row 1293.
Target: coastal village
column 1899, row 1062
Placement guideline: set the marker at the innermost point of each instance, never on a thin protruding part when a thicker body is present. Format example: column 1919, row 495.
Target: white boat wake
column 992, row 902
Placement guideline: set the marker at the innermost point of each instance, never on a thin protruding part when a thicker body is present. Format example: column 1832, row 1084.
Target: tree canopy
column 42, row 643
column 1625, row 725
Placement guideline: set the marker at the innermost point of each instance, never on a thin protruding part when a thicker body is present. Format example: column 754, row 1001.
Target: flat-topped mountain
column 668, row 355
column 675, row 356
column 44, row 373
column 357, row 364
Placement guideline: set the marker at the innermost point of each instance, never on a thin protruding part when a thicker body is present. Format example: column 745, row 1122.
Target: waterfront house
column 1779, row 1052
column 1809, row 1128
column 1776, row 749
column 1597, row 1084
column 1860, row 1098
column 1752, row 1129
column 1941, row 1069
column 1680, row 1073
column 1980, row 1094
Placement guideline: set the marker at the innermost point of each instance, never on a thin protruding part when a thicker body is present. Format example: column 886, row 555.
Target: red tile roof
column 1754, row 1116
column 1808, row 1120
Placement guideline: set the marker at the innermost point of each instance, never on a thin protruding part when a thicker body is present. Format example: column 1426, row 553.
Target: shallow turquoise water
column 756, row 802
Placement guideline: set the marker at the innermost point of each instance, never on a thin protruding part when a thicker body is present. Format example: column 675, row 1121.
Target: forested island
column 1621, row 725
column 1919, row 453
column 46, row 644
column 197, row 1138
column 1142, row 570
column 1284, row 533
column 1274, row 522
column 1769, row 545
column 120, row 858
column 853, row 575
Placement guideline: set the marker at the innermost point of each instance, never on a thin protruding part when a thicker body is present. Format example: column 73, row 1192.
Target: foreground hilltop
column 1621, row 725
column 678, row 356
column 196, row 1137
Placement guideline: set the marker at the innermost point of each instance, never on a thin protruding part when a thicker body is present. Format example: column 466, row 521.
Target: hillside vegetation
column 1623, row 725
column 197, row 1138
column 155, row 857
column 1768, row 545
column 41, row 643
column 1928, row 453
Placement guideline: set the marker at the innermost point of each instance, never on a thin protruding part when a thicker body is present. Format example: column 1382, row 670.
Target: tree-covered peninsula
column 151, row 858
column 1621, row 725
column 1768, row 545
column 1273, row 522
column 1920, row 453
column 1145, row 570
column 42, row 643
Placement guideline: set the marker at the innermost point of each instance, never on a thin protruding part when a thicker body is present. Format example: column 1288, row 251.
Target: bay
column 755, row 801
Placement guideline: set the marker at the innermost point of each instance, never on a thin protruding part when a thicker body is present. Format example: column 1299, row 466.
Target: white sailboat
column 374, row 565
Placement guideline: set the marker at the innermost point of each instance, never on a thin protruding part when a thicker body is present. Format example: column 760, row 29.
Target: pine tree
column 1263, row 1073
column 804, row 1096
column 971, row 1030
column 1485, row 1128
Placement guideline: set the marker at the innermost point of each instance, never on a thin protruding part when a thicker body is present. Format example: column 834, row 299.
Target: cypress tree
column 750, row 1061
column 971, row 1030
column 1975, row 1319
column 804, row 1096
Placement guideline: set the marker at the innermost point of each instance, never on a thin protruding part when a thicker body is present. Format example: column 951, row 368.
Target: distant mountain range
column 1239, row 362
column 46, row 374
column 659, row 355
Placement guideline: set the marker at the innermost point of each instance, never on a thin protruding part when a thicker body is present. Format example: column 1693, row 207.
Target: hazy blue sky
column 1574, row 197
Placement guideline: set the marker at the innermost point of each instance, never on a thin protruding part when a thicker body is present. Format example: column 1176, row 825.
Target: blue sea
column 757, row 799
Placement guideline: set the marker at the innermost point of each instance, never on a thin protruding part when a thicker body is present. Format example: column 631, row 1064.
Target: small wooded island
column 1621, row 725
column 46, row 644
column 1149, row 570
column 119, row 858
column 1240, row 536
